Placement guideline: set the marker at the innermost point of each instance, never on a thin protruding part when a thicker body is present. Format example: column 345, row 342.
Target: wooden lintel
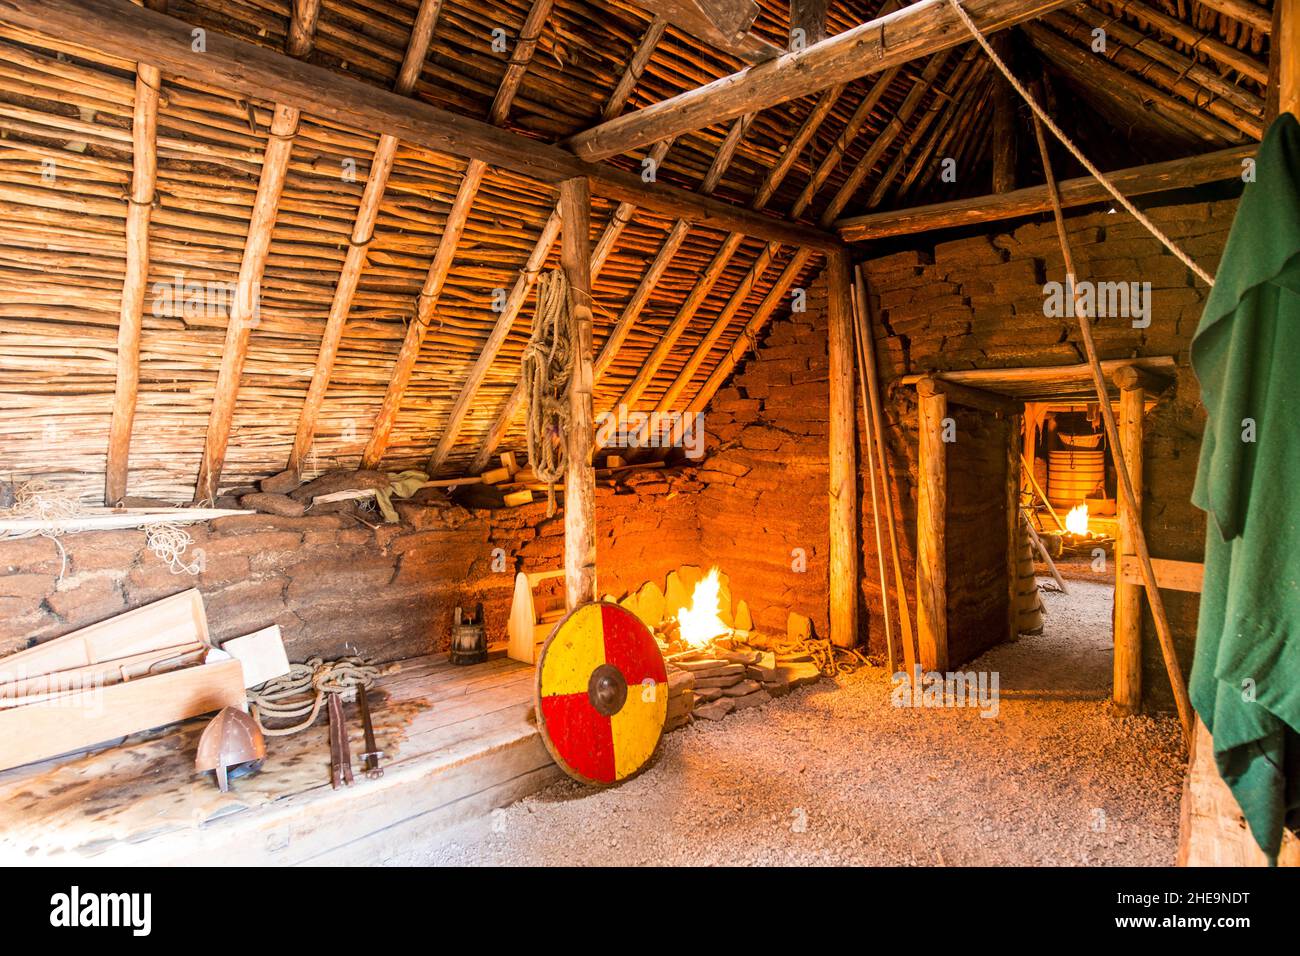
column 1140, row 180
column 993, row 378
column 982, row 399
column 909, row 34
column 120, row 28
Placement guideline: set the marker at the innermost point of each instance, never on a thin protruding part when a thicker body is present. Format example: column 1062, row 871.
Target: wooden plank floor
column 458, row 741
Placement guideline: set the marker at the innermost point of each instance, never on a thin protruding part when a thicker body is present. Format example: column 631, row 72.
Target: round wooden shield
column 602, row 694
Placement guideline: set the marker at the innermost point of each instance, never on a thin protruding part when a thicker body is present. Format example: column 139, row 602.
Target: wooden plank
column 1135, row 181
column 170, row 622
column 931, row 534
column 261, row 654
column 144, row 177
column 116, row 520
column 122, row 29
column 915, row 31
column 1170, row 575
column 363, row 230
column 1126, row 686
column 580, row 477
column 41, row 730
column 843, row 490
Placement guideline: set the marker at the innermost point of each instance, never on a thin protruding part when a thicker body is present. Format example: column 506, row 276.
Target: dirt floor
column 836, row 774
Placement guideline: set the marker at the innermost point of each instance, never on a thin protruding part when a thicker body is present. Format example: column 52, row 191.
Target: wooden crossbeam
column 363, row 230
column 443, row 260
column 1136, row 181
column 123, row 29
column 245, row 308
column 144, row 178
column 893, row 39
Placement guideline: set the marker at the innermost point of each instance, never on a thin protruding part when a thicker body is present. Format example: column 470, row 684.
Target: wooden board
column 67, row 723
column 261, row 654
column 1171, row 575
column 179, row 619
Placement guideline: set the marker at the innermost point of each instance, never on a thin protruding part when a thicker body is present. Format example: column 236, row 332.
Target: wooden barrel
column 1075, row 475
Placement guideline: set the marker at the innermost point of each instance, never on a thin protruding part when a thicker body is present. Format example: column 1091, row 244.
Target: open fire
column 1076, row 522
column 699, row 623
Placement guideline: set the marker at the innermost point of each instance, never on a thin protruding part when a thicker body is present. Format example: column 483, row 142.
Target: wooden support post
column 1014, row 425
column 580, row 479
column 1288, row 46
column 843, row 514
column 931, row 519
column 1004, row 121
column 1127, row 690
column 144, row 176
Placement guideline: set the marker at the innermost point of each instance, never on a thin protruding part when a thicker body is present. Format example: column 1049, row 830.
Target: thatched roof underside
column 66, row 166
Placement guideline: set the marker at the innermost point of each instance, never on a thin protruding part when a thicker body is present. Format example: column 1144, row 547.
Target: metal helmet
column 232, row 740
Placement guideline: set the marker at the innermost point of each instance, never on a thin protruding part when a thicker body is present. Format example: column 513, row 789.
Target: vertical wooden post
column 1004, row 121
column 1014, row 425
column 843, row 503
column 1127, row 689
column 1287, row 42
column 931, row 517
column 580, row 479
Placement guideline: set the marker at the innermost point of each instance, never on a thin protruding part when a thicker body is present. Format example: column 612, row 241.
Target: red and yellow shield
column 602, row 694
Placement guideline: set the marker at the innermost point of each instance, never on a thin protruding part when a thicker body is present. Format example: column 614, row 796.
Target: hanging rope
column 300, row 692
column 1093, row 171
column 547, row 367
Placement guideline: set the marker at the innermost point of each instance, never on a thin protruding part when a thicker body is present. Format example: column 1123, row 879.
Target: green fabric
column 1245, row 679
column 403, row 485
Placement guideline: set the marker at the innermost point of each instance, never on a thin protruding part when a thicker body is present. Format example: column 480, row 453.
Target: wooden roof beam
column 363, row 230
column 1136, row 181
column 426, row 302
column 915, row 31
column 257, row 246
column 144, row 178
column 120, row 28
column 635, row 67
column 1252, row 14
column 1225, row 54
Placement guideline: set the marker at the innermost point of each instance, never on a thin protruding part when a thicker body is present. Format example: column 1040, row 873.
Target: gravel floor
column 835, row 774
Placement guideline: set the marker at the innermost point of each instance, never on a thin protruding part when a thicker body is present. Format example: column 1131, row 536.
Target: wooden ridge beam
column 123, row 29
column 245, row 309
column 1135, row 181
column 915, row 31
column 363, row 230
column 408, row 355
column 144, row 178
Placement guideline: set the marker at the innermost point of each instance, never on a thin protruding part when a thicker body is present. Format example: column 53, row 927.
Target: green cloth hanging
column 1245, row 681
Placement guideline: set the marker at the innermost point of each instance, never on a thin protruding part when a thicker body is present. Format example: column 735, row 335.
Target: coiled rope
column 1093, row 171
column 547, row 367
column 299, row 693
column 169, row 541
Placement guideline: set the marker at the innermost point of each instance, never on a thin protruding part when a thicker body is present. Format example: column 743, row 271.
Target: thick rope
column 547, row 366
column 1093, row 171
column 300, row 692
column 169, row 541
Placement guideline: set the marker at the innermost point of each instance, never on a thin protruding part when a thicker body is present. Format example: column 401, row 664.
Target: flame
column 1076, row 522
column 700, row 623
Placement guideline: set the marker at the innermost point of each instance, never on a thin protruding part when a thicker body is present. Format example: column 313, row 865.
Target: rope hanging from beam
column 1093, row 171
column 546, row 368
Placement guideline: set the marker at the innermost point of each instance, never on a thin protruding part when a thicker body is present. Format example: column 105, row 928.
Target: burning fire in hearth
column 700, row 623
column 1076, row 522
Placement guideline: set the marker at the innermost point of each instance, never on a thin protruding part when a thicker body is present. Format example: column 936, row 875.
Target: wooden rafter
column 124, row 30
column 244, row 309
column 457, row 218
column 1136, row 181
column 721, row 259
column 144, row 177
column 915, row 31
column 1249, row 13
column 635, row 67
column 1223, row 53
column 363, row 230
column 886, row 138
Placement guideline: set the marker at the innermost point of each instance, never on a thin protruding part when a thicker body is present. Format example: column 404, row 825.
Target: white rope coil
column 169, row 542
column 1093, row 171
